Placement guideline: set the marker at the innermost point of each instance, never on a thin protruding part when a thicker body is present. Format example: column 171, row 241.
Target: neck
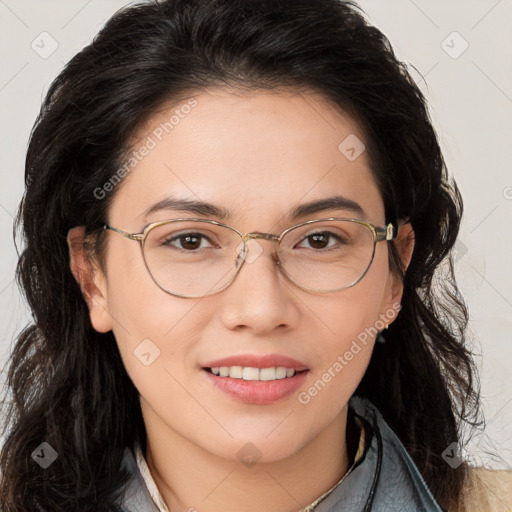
column 189, row 477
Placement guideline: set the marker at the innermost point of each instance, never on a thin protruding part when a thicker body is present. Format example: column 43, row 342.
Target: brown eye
column 322, row 240
column 187, row 241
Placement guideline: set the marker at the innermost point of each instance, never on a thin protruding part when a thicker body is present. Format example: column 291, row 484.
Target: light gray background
column 470, row 95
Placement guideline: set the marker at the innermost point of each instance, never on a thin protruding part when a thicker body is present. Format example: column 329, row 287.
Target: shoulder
column 487, row 489
column 396, row 483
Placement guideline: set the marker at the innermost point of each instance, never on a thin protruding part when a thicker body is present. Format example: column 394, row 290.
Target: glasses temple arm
column 131, row 236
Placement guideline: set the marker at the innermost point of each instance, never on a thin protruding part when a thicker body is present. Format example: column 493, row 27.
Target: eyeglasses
column 197, row 257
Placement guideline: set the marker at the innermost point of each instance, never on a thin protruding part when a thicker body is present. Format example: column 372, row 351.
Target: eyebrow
column 327, row 204
column 204, row 209
column 188, row 205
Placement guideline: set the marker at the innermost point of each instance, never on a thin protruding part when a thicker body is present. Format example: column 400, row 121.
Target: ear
column 91, row 280
column 404, row 244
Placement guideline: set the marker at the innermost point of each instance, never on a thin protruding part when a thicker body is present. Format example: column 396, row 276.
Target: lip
column 257, row 392
column 255, row 361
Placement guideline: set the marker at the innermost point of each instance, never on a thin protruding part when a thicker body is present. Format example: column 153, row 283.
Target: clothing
column 383, row 478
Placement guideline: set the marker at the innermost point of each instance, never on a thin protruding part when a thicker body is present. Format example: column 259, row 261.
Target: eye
column 323, row 239
column 188, row 241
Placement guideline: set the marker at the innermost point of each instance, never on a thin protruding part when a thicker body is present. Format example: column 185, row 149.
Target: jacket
column 382, row 478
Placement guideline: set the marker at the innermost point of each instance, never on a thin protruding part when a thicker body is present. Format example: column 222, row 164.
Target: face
column 258, row 156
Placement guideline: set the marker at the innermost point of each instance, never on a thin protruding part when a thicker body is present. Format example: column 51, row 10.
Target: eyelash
column 168, row 241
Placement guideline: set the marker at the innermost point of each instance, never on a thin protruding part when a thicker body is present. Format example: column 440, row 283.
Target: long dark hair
column 67, row 383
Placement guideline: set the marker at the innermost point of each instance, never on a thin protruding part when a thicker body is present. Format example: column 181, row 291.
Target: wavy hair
column 67, row 383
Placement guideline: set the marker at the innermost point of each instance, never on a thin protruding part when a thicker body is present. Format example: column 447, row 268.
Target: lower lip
column 258, row 392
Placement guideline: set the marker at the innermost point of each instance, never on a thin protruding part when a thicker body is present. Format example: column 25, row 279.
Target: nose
column 260, row 298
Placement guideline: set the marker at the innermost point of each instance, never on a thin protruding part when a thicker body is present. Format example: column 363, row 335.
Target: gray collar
column 385, row 478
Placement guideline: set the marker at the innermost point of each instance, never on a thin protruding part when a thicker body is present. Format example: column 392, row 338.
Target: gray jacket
column 384, row 479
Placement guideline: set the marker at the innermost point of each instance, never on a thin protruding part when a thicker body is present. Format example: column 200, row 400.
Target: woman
column 234, row 215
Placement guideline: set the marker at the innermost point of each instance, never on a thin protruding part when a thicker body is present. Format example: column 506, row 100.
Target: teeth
column 280, row 372
column 250, row 373
column 236, row 372
column 267, row 374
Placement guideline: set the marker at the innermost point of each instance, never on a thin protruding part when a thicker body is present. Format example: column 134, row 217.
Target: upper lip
column 254, row 361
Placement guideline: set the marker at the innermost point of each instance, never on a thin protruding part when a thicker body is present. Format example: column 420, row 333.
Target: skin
column 258, row 155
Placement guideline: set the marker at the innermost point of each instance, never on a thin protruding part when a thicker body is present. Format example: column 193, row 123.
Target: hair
column 67, row 382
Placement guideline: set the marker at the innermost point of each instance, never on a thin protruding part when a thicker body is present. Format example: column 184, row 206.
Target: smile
column 251, row 373
column 257, row 386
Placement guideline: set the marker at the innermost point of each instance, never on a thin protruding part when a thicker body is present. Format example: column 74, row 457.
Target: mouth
column 254, row 385
column 249, row 373
column 254, row 378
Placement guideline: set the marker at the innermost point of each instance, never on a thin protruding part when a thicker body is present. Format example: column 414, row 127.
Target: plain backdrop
column 462, row 54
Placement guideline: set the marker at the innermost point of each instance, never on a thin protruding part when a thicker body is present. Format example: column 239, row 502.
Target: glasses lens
column 192, row 258
column 327, row 255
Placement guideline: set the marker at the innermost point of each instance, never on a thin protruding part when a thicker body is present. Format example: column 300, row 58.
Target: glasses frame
column 379, row 234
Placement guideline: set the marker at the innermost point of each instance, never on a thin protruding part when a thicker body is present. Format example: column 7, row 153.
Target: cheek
column 152, row 328
column 158, row 346
column 343, row 358
column 348, row 313
column 348, row 346
column 350, row 321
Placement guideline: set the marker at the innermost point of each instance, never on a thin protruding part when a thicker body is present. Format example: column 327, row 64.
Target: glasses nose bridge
column 258, row 234
column 262, row 236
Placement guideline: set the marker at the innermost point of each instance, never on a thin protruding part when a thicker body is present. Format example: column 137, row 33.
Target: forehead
column 257, row 154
